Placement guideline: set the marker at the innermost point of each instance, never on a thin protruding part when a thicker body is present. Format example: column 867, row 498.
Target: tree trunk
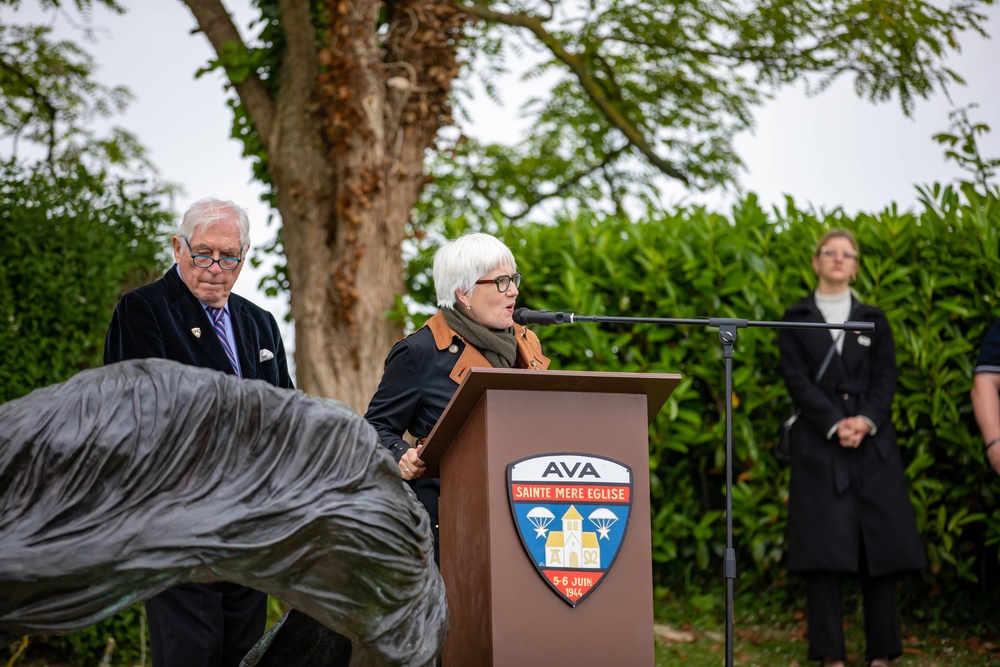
column 345, row 137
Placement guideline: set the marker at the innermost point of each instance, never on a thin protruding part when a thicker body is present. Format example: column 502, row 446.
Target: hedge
column 934, row 272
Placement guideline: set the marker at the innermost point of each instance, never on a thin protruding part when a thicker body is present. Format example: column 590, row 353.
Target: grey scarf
column 498, row 346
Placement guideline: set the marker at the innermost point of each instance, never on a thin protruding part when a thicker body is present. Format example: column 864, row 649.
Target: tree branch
column 41, row 101
column 298, row 80
column 217, row 25
column 566, row 184
column 590, row 86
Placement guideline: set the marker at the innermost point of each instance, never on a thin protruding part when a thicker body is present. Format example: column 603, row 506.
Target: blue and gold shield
column 571, row 512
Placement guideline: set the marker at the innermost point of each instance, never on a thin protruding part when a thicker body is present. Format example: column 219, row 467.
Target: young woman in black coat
column 849, row 511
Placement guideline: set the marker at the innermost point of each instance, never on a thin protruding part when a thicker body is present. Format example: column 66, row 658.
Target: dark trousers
column 826, row 616
column 429, row 493
column 205, row 625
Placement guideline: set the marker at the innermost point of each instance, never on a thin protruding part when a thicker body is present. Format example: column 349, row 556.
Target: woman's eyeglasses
column 830, row 253
column 502, row 282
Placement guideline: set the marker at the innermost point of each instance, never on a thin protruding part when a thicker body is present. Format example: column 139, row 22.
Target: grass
column 769, row 631
column 691, row 633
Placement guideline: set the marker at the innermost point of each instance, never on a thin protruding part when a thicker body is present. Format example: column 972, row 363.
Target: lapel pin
column 266, row 355
column 197, row 332
column 864, row 340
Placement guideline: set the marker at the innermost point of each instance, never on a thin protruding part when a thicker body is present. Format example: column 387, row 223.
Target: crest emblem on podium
column 571, row 512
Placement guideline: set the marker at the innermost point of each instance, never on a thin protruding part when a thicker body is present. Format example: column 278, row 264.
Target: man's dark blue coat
column 165, row 320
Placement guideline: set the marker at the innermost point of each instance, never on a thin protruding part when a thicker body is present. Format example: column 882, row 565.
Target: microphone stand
column 728, row 328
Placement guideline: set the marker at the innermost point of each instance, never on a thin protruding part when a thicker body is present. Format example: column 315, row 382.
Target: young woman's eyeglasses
column 502, row 282
column 830, row 253
column 206, row 261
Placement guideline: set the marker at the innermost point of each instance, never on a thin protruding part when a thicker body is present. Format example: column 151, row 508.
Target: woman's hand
column 846, row 434
column 852, row 431
column 411, row 466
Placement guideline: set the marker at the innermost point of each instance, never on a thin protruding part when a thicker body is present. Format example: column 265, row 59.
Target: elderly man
column 986, row 394
column 190, row 315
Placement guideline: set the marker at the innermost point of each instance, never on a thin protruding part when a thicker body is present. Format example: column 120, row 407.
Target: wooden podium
column 502, row 610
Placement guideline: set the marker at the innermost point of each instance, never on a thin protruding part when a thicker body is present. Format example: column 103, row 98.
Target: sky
column 828, row 150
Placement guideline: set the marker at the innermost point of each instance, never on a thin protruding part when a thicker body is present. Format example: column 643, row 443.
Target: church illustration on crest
column 572, row 546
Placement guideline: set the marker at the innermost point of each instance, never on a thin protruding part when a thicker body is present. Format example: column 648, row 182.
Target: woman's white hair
column 460, row 263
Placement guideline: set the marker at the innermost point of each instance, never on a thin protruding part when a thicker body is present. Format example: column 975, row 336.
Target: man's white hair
column 212, row 211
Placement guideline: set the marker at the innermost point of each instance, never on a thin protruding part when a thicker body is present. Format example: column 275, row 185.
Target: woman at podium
column 476, row 282
column 849, row 512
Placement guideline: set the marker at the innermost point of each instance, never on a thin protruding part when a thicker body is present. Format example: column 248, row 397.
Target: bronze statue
column 140, row 475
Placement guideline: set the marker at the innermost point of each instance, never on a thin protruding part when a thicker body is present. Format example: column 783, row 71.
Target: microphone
column 542, row 317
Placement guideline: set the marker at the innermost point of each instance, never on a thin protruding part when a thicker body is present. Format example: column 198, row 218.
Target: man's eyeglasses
column 502, row 282
column 206, row 261
column 830, row 253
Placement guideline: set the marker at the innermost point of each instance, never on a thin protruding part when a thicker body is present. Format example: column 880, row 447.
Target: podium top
column 655, row 386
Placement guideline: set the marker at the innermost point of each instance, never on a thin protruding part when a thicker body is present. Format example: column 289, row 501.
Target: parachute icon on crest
column 540, row 518
column 603, row 518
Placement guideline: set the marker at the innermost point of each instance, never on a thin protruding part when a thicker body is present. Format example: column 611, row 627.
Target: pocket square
column 266, row 355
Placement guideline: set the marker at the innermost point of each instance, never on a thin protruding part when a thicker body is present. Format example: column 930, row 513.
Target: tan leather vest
column 529, row 349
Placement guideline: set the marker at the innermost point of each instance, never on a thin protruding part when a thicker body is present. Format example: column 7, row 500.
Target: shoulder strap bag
column 783, row 449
